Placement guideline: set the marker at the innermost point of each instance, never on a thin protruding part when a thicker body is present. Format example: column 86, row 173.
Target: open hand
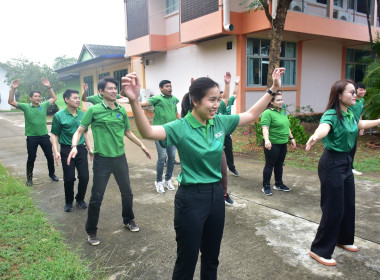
column 131, row 86
column 15, row 83
column 227, row 77
column 312, row 140
column 276, row 76
column 45, row 82
column 57, row 158
column 146, row 151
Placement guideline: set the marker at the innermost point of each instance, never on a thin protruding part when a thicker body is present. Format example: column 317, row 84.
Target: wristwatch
column 273, row 93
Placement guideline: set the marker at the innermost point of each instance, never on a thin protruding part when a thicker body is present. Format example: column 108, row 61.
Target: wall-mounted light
column 148, row 62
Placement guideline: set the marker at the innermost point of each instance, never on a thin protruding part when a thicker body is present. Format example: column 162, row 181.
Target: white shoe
column 159, row 186
column 169, row 185
column 355, row 172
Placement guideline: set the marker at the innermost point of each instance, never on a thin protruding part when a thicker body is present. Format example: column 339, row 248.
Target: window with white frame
column 171, row 6
column 258, row 62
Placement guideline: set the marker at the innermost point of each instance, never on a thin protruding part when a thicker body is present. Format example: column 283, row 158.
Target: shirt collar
column 69, row 113
column 107, row 107
column 166, row 96
column 349, row 114
column 195, row 123
column 31, row 105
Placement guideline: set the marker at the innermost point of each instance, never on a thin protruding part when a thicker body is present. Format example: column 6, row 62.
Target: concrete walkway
column 264, row 237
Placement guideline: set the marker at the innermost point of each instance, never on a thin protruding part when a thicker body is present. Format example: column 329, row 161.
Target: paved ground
column 264, row 237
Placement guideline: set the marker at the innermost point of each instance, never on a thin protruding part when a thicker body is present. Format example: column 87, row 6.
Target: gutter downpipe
column 226, row 16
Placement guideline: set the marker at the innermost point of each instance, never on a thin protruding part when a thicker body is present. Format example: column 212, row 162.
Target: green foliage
column 30, row 247
column 372, row 98
column 254, row 5
column 63, row 61
column 297, row 129
column 30, row 74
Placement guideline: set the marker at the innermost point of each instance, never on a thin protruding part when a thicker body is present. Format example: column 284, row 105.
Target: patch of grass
column 29, row 247
column 366, row 159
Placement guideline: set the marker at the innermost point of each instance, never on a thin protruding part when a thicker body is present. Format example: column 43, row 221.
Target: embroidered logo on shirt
column 219, row 134
column 118, row 116
column 40, row 108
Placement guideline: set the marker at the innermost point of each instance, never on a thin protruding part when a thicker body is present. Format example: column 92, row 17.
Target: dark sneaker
column 228, row 199
column 235, row 172
column 29, row 183
column 132, row 226
column 93, row 239
column 176, row 162
column 81, row 204
column 266, row 190
column 282, row 188
column 68, row 207
column 54, row 178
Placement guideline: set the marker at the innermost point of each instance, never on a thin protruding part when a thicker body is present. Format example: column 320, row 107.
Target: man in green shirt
column 94, row 99
column 109, row 123
column 357, row 109
column 165, row 111
column 65, row 123
column 35, row 127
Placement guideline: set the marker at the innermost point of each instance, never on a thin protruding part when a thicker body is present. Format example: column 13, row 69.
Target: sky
column 41, row 30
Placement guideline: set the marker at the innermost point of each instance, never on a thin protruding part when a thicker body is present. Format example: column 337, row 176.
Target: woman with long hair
column 199, row 138
column 338, row 130
column 276, row 134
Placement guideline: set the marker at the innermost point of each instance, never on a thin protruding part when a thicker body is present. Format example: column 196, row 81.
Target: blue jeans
column 162, row 152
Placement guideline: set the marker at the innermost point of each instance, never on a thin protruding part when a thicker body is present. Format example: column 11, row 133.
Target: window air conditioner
column 297, row 6
column 341, row 15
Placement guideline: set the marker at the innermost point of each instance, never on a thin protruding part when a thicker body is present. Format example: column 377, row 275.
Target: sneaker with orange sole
column 351, row 248
column 328, row 262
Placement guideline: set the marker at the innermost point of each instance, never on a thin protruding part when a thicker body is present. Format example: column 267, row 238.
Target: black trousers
column 32, row 143
column 274, row 158
column 81, row 164
column 199, row 223
column 337, row 224
column 352, row 154
column 228, row 149
column 102, row 169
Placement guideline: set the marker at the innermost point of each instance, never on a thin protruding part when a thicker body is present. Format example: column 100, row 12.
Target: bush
column 297, row 129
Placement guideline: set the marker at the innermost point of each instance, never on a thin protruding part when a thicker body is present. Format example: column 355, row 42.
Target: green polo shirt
column 35, row 118
column 342, row 135
column 357, row 109
column 98, row 98
column 165, row 108
column 65, row 124
column 199, row 146
column 108, row 127
column 226, row 110
column 278, row 124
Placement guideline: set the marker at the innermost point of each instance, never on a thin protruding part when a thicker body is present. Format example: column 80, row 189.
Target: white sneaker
column 169, row 185
column 355, row 172
column 159, row 186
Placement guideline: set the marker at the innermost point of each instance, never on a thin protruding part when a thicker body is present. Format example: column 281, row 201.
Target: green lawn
column 30, row 248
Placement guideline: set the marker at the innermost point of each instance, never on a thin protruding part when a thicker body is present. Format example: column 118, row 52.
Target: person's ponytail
column 186, row 105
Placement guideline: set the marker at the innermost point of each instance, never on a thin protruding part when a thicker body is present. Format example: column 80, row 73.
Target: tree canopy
column 63, row 61
column 30, row 74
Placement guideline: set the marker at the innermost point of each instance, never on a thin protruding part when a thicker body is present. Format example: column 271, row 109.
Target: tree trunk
column 275, row 36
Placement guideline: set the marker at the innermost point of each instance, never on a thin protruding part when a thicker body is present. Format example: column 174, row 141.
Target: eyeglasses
column 353, row 92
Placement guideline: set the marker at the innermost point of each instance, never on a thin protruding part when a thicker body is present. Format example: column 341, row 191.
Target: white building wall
column 321, row 67
column 289, row 98
column 179, row 66
column 4, row 91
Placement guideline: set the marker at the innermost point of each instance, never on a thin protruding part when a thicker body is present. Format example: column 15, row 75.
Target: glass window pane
column 290, row 50
column 282, row 50
column 264, row 71
column 289, row 78
column 264, row 49
column 350, row 55
column 253, row 71
column 350, row 72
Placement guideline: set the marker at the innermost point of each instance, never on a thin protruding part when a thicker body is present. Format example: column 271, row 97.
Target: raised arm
column 11, row 98
column 236, row 88
column 144, row 104
column 46, row 83
column 254, row 112
column 131, row 136
column 321, row 132
column 131, row 87
column 84, row 93
column 226, row 92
